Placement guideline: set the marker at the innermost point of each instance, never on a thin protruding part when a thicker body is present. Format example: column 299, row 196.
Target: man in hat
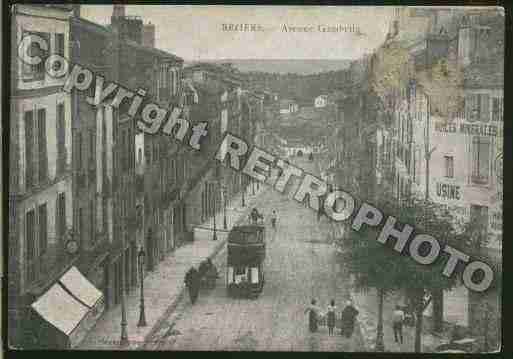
column 192, row 281
column 348, row 319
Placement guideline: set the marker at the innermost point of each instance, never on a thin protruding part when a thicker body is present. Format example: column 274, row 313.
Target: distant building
column 148, row 35
column 40, row 156
column 321, row 101
column 288, row 106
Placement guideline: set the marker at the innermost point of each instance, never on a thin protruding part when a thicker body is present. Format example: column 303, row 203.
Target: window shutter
column 26, row 68
column 43, row 225
column 41, row 141
column 469, row 106
column 29, row 148
column 485, row 107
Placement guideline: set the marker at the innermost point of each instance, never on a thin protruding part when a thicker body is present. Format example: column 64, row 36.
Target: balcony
column 43, row 269
column 107, row 190
column 81, row 179
column 33, row 73
column 479, row 179
column 61, row 163
column 92, row 171
column 139, row 185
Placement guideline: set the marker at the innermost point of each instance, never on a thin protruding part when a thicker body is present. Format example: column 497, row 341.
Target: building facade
column 41, row 196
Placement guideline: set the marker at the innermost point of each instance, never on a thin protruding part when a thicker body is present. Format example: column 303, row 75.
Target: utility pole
column 124, row 335
column 438, row 295
column 225, row 226
column 213, row 185
column 427, row 146
column 486, row 324
column 243, row 189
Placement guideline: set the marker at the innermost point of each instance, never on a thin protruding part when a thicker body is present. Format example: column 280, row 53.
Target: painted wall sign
column 448, row 191
column 477, row 129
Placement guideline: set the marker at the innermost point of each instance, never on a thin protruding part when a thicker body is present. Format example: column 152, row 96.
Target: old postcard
column 255, row 178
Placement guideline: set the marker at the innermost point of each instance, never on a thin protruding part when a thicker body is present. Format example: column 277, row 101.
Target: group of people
column 255, row 216
column 193, row 277
column 347, row 317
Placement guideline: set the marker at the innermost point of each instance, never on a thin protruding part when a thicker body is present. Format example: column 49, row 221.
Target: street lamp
column 124, row 334
column 214, row 237
column 224, row 206
column 243, row 190
column 140, row 260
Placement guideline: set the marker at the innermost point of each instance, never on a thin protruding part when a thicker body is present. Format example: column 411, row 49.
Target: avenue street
column 301, row 264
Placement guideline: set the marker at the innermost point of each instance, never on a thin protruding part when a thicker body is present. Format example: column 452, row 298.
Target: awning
column 72, row 305
column 83, row 290
column 60, row 309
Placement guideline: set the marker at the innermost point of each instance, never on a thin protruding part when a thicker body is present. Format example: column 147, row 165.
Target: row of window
column 481, row 147
column 476, row 107
column 210, row 200
column 37, row 72
column 36, row 155
column 168, row 81
column 36, row 233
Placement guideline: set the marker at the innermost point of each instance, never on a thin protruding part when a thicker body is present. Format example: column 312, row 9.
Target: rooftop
column 107, row 30
column 486, row 74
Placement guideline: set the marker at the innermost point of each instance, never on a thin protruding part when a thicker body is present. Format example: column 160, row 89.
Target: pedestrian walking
column 313, row 316
column 192, row 281
column 320, row 211
column 274, row 218
column 331, row 317
column 349, row 315
column 398, row 320
column 255, row 216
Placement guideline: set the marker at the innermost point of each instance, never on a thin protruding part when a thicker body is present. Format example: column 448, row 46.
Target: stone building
column 40, row 182
column 457, row 121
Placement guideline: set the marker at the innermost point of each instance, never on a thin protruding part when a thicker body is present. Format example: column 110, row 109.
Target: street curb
column 167, row 313
column 161, row 320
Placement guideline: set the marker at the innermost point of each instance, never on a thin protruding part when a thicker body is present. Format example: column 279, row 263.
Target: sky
column 195, row 32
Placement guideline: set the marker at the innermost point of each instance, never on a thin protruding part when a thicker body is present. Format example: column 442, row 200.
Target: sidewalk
column 163, row 288
column 368, row 305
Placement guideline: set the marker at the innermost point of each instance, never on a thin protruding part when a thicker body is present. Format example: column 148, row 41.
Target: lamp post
column 243, row 190
column 224, row 189
column 124, row 334
column 214, row 237
column 140, row 260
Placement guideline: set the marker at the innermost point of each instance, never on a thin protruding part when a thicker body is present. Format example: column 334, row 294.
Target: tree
column 375, row 265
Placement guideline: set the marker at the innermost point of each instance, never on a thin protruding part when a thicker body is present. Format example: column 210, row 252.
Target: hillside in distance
column 300, row 67
column 302, row 80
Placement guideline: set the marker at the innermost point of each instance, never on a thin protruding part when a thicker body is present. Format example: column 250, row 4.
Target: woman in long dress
column 313, row 316
column 349, row 315
column 331, row 317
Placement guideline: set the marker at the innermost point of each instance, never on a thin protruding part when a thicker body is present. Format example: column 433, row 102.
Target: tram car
column 245, row 261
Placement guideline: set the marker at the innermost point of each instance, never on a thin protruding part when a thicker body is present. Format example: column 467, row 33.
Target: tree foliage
column 375, row 265
column 443, row 84
column 389, row 66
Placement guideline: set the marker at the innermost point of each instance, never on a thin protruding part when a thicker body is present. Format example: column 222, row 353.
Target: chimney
column 76, row 11
column 148, row 35
column 118, row 11
column 437, row 46
column 128, row 27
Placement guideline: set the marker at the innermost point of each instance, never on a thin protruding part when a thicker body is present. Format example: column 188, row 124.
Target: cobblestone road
column 300, row 264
